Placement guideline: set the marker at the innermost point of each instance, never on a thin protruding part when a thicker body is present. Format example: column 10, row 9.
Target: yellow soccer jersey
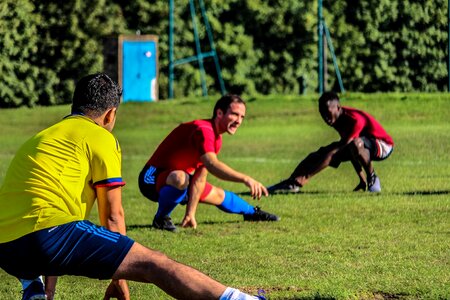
column 52, row 179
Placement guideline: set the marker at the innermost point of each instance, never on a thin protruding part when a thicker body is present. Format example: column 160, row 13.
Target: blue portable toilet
column 138, row 67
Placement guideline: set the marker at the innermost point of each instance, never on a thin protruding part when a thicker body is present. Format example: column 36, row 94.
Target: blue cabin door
column 139, row 71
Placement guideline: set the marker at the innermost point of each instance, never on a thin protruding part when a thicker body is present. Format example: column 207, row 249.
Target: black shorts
column 148, row 182
column 378, row 151
column 152, row 179
column 76, row 248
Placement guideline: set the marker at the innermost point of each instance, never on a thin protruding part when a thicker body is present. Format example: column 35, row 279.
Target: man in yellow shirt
column 49, row 190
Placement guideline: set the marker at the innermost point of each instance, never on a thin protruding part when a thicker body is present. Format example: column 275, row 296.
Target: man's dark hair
column 94, row 94
column 224, row 103
column 327, row 96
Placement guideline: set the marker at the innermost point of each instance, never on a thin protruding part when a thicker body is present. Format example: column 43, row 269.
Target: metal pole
column 213, row 47
column 333, row 55
column 320, row 45
column 199, row 51
column 171, row 66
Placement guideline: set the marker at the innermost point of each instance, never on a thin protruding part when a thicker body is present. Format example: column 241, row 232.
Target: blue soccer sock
column 234, row 204
column 169, row 198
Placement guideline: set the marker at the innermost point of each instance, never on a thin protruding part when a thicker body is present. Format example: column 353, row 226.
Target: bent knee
column 358, row 143
column 141, row 264
column 215, row 196
column 178, row 179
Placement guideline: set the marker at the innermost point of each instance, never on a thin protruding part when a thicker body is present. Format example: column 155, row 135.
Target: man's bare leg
column 50, row 286
column 178, row 280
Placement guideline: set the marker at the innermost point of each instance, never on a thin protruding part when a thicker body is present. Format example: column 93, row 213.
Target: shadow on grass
column 139, row 226
column 149, row 226
column 426, row 193
column 409, row 193
column 298, row 193
column 312, row 298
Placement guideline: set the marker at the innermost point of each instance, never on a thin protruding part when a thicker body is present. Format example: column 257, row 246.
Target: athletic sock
column 235, row 294
column 234, row 204
column 26, row 282
column 169, row 198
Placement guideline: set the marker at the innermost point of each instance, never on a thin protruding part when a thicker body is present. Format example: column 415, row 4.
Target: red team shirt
column 355, row 123
column 183, row 147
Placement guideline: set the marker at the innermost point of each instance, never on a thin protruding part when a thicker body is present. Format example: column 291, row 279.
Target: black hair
column 224, row 103
column 327, row 96
column 94, row 94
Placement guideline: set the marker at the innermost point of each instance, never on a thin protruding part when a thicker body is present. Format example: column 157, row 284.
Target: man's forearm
column 197, row 186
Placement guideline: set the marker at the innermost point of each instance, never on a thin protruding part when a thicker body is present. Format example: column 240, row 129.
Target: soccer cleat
column 374, row 185
column 35, row 291
column 260, row 215
column 287, row 186
column 164, row 223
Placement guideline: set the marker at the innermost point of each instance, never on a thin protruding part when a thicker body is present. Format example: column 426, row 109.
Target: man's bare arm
column 223, row 171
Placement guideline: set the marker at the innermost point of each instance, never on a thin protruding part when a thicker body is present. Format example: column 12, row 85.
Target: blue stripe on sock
column 234, row 204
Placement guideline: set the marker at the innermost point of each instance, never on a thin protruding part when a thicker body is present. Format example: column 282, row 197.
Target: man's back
column 182, row 148
column 355, row 123
column 50, row 180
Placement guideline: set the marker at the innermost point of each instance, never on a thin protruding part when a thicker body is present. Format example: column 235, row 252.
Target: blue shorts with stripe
column 77, row 248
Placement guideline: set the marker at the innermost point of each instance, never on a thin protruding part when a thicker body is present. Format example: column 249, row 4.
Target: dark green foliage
column 391, row 45
column 17, row 43
column 47, row 45
column 264, row 46
column 70, row 42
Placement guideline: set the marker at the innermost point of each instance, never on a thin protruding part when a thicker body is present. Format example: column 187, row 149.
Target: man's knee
column 178, row 179
column 141, row 264
column 215, row 196
column 357, row 147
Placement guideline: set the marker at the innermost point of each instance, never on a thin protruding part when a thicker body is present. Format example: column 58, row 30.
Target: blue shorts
column 77, row 248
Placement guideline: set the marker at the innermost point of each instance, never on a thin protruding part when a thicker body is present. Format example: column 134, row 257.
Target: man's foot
column 287, row 186
column 374, row 185
column 362, row 186
column 164, row 223
column 261, row 215
column 35, row 291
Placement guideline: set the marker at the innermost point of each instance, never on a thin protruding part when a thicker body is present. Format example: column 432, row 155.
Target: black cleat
column 261, row 215
column 287, row 186
column 35, row 291
column 164, row 223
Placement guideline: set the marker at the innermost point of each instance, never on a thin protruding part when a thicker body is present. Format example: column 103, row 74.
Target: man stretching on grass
column 50, row 188
column 176, row 173
column 363, row 140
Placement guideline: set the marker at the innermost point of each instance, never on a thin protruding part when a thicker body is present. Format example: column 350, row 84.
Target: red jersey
column 183, row 147
column 354, row 123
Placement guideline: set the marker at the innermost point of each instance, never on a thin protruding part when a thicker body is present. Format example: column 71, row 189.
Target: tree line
column 264, row 46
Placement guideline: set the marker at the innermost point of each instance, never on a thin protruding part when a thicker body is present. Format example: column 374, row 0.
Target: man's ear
column 109, row 115
column 219, row 113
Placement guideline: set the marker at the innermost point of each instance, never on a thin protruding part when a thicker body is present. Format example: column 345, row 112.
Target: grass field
column 331, row 243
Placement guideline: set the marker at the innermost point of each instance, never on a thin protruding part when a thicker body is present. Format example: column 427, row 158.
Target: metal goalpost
column 200, row 55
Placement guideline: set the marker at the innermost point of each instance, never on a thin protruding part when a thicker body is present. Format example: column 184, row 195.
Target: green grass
column 331, row 243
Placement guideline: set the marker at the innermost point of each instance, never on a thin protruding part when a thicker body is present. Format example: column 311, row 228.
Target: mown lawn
column 331, row 243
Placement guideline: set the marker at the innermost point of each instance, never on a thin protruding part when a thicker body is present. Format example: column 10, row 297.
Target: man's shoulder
column 348, row 109
column 354, row 113
column 202, row 123
column 87, row 130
